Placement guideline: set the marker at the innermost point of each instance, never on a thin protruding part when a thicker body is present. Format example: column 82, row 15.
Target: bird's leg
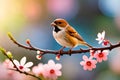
column 70, row 50
column 61, row 49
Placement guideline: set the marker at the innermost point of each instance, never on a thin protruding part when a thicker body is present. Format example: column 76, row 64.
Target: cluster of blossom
column 101, row 39
column 96, row 56
column 9, row 73
column 49, row 71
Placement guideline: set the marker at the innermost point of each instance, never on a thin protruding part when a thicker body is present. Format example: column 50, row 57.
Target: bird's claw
column 61, row 50
column 69, row 52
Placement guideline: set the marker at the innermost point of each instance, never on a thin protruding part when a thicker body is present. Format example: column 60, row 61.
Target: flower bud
column 58, row 57
column 39, row 57
column 105, row 42
column 38, row 52
column 9, row 54
column 28, row 41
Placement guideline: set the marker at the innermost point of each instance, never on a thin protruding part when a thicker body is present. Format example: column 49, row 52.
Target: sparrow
column 66, row 35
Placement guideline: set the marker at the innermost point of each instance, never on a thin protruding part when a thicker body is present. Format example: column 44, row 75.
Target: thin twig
column 25, row 73
column 15, row 67
column 62, row 52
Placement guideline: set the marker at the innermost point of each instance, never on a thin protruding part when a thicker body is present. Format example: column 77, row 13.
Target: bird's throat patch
column 57, row 29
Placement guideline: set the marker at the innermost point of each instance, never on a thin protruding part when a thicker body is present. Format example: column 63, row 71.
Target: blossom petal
column 90, row 68
column 85, row 67
column 85, row 57
column 106, row 52
column 94, row 61
column 94, row 66
column 40, row 65
column 46, row 66
column 35, row 69
column 103, row 34
column 51, row 62
column 58, row 73
column 82, row 63
column 58, row 66
column 105, row 58
column 100, row 41
column 23, row 61
column 99, row 35
column 99, row 60
column 16, row 62
column 29, row 64
column 27, row 69
column 97, row 39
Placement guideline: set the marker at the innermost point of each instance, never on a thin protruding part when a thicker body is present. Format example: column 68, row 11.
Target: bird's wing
column 72, row 32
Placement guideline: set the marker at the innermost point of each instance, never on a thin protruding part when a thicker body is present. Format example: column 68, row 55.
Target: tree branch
column 15, row 67
column 30, row 47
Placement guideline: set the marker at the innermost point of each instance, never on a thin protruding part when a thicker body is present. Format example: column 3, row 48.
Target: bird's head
column 60, row 23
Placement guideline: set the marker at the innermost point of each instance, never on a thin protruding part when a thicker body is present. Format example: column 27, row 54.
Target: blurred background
column 30, row 19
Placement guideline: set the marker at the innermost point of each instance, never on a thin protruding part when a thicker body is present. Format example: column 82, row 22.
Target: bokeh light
column 32, row 10
column 10, row 15
column 114, row 61
column 31, row 19
column 63, row 8
column 110, row 8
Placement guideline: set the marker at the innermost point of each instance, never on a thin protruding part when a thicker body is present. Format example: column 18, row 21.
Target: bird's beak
column 53, row 24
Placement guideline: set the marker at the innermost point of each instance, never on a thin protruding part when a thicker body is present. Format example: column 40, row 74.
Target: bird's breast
column 62, row 38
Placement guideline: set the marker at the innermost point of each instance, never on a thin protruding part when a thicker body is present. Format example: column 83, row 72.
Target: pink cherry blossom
column 22, row 66
column 48, row 71
column 101, row 37
column 52, row 70
column 10, row 74
column 3, row 72
column 8, row 64
column 100, row 56
column 88, row 63
column 39, row 70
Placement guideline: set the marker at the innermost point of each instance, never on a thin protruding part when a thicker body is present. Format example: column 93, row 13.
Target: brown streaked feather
column 72, row 32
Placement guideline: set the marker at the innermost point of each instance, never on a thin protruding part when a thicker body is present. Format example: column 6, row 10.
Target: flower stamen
column 101, row 55
column 88, row 63
column 21, row 67
column 52, row 71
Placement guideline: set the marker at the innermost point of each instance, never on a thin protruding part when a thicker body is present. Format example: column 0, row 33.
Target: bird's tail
column 86, row 44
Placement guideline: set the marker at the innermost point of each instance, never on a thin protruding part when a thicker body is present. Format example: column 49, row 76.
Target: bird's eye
column 59, row 22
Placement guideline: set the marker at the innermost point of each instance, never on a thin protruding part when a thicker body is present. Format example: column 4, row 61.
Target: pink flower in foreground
column 52, row 70
column 100, row 56
column 22, row 66
column 8, row 64
column 3, row 72
column 10, row 74
column 88, row 63
column 101, row 37
column 38, row 70
column 48, row 71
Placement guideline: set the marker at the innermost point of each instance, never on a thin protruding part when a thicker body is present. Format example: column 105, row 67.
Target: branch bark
column 30, row 47
column 15, row 67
